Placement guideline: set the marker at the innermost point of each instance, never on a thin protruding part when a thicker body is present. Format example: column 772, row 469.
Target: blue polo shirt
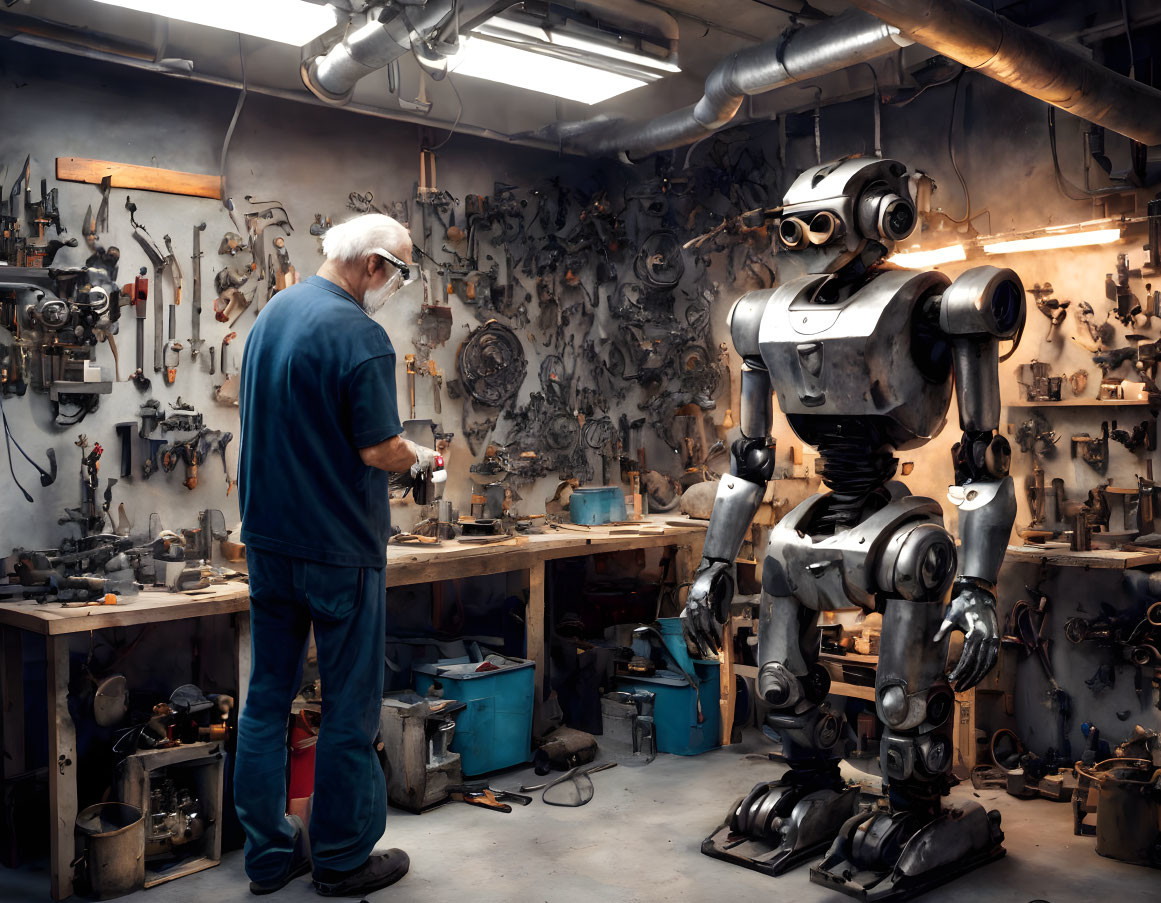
column 318, row 384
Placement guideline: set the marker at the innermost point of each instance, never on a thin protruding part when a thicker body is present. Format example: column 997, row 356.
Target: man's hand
column 707, row 606
column 424, row 458
column 972, row 612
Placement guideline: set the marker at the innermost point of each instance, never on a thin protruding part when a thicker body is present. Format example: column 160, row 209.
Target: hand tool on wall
column 214, row 442
column 138, row 294
column 196, row 341
column 436, row 383
column 125, row 437
column 409, row 360
column 1054, row 309
column 171, row 354
column 226, row 392
column 159, row 261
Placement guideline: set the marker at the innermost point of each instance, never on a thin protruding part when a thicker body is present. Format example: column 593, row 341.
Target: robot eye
column 1005, row 304
column 824, row 227
column 793, row 233
column 898, row 219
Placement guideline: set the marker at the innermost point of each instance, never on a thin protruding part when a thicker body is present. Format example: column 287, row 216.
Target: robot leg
column 780, row 824
column 885, row 855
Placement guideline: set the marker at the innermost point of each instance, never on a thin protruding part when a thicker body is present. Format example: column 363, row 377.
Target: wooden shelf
column 1064, row 557
column 1081, row 403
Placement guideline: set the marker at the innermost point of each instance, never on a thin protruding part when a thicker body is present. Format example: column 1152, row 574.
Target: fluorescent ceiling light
column 509, row 65
column 1055, row 240
column 505, row 28
column 293, row 22
column 915, row 260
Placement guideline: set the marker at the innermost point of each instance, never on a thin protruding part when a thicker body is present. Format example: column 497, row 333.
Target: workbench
column 523, row 556
column 56, row 624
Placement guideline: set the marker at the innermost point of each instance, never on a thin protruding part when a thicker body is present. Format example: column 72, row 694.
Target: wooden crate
column 207, row 762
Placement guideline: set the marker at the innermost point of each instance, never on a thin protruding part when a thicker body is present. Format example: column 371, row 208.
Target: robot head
column 845, row 211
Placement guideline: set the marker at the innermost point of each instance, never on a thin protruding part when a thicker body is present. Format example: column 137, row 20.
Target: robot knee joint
column 753, row 460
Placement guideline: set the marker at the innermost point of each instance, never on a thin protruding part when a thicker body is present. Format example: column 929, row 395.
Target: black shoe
column 379, row 871
column 299, row 860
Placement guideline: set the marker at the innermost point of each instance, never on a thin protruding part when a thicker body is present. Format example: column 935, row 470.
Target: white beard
column 374, row 299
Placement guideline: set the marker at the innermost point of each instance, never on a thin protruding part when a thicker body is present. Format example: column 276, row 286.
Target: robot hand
column 707, row 606
column 973, row 612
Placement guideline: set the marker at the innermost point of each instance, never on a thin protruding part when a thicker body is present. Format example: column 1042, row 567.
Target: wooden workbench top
column 1060, row 555
column 410, row 564
column 406, row 564
column 52, row 618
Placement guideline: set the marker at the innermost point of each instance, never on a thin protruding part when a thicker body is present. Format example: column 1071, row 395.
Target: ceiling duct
column 807, row 53
column 385, row 36
column 1027, row 61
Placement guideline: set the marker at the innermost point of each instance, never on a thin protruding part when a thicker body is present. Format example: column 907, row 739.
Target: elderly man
column 320, row 432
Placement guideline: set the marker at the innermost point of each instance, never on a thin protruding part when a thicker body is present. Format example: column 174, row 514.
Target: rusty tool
column 409, row 359
column 478, row 793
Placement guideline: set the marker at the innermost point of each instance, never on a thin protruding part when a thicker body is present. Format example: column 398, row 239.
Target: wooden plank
column 1082, row 403
column 1098, row 558
column 144, row 608
column 12, row 699
column 62, row 768
column 534, row 626
column 726, row 694
column 855, row 691
column 964, row 739
column 144, row 178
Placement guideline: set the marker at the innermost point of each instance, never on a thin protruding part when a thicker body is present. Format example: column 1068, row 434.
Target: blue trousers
column 347, row 607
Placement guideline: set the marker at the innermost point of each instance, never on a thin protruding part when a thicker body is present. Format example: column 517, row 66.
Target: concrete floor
column 638, row 842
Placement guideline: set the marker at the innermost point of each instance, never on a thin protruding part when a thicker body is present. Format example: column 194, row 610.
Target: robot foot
column 780, row 824
column 881, row 856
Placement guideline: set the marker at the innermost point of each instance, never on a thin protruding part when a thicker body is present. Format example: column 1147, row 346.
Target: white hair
column 356, row 238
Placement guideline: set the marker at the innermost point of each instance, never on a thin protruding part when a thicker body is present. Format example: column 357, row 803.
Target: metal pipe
column 808, row 53
column 332, row 76
column 1027, row 61
column 75, row 48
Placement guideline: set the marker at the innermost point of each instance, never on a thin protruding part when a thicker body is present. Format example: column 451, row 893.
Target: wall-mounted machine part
column 136, row 294
column 387, row 33
column 491, row 364
column 1027, row 61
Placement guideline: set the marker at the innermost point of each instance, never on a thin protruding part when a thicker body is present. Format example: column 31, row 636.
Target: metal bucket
column 1128, row 810
column 114, row 848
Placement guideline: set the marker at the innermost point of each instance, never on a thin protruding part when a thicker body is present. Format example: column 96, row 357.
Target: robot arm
column 738, row 497
column 978, row 310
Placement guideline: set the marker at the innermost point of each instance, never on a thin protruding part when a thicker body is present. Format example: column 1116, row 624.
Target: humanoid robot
column 863, row 358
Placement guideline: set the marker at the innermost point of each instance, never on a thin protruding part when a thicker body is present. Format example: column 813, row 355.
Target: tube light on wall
column 917, row 260
column 511, row 65
column 295, row 22
column 1054, row 240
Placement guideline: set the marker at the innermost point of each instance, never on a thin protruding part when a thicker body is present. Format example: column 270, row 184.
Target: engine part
column 491, row 364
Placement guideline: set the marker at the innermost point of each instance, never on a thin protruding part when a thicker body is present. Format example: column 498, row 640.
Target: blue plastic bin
column 675, row 708
column 495, row 730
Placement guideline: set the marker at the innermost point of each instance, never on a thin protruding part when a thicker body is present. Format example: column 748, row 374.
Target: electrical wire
column 1128, row 38
column 1066, row 188
column 225, row 196
column 452, row 133
column 805, row 12
column 9, row 441
column 967, row 217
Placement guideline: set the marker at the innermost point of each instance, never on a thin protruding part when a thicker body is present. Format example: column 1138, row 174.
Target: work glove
column 972, row 612
column 707, row 606
column 424, row 458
